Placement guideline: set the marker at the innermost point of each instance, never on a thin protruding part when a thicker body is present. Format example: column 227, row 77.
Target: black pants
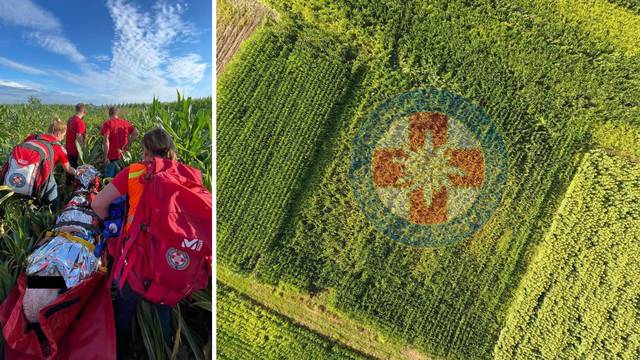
column 125, row 308
column 73, row 161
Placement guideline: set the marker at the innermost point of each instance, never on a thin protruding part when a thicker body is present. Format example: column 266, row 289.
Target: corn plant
column 190, row 128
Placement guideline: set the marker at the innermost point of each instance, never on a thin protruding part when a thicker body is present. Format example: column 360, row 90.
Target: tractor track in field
column 238, row 20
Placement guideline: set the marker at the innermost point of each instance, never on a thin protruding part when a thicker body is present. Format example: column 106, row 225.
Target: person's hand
column 106, row 161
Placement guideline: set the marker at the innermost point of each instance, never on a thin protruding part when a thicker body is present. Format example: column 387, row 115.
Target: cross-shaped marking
column 436, row 170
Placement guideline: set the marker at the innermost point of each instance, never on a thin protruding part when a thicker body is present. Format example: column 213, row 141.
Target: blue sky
column 104, row 52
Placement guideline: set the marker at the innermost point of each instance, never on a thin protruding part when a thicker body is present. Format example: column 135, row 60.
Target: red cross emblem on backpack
column 177, row 259
column 17, row 180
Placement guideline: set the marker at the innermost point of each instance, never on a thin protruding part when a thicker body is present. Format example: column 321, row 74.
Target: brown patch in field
column 236, row 21
column 420, row 122
column 434, row 214
column 472, row 162
column 413, row 354
column 387, row 172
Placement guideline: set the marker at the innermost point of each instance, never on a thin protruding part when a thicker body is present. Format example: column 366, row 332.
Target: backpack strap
column 137, row 229
column 36, row 148
column 49, row 148
column 40, row 137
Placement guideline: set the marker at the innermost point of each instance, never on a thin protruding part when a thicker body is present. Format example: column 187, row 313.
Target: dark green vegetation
column 548, row 84
column 248, row 331
column 633, row 5
column 580, row 296
column 273, row 110
column 189, row 122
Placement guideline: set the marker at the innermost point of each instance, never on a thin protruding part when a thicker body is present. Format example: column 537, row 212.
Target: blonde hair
column 57, row 126
column 158, row 142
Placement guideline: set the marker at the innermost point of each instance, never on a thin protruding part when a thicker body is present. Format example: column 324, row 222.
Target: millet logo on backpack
column 195, row 244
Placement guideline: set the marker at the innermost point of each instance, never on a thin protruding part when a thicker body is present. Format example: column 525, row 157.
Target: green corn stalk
column 6, row 196
column 150, row 329
column 80, row 153
column 192, row 340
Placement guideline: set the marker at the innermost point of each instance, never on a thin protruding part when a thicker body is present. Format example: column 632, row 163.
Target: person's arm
column 105, row 148
column 104, row 198
column 69, row 169
column 82, row 130
column 132, row 136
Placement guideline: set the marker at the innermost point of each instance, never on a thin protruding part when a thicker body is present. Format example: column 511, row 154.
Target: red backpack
column 166, row 254
column 29, row 167
column 78, row 325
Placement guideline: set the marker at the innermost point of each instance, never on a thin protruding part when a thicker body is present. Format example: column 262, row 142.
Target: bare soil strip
column 315, row 313
column 236, row 21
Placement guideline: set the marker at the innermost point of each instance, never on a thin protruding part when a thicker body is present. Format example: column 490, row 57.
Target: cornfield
column 250, row 332
column 325, row 115
column 189, row 123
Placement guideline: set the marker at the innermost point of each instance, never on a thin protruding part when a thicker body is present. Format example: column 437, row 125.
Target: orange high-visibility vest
column 135, row 188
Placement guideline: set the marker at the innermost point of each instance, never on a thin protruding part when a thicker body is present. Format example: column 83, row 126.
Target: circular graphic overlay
column 428, row 168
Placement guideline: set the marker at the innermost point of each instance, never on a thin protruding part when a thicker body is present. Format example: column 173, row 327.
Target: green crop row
column 631, row 5
column 248, row 331
column 541, row 78
column 273, row 107
column 580, row 297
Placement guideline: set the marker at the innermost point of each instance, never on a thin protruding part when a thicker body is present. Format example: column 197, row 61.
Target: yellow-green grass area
column 581, row 298
column 249, row 331
column 315, row 311
column 601, row 20
column 618, row 137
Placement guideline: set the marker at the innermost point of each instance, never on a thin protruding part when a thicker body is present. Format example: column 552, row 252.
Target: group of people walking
column 171, row 261
column 118, row 134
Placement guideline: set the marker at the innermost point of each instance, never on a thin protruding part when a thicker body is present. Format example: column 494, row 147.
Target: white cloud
column 15, row 92
column 57, row 44
column 21, row 67
column 26, row 13
column 14, row 85
column 102, row 58
column 12, row 92
column 48, row 28
column 187, row 69
column 141, row 63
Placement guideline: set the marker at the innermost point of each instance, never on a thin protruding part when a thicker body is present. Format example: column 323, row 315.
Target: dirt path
column 236, row 21
column 315, row 313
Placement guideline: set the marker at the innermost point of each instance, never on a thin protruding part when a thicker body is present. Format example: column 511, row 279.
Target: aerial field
column 411, row 162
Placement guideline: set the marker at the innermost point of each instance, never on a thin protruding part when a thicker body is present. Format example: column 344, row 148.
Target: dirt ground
column 236, row 21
